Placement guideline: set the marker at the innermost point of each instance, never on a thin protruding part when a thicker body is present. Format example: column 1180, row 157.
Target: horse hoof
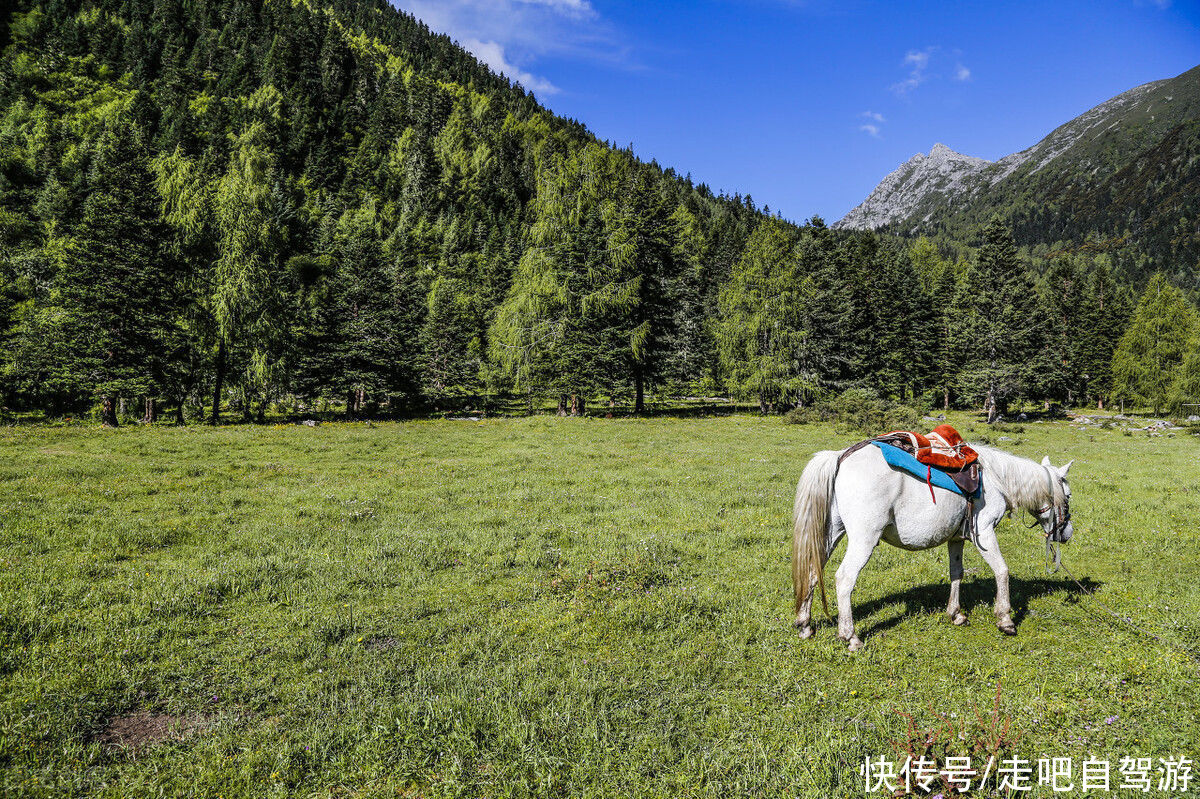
column 806, row 631
column 855, row 644
column 1008, row 628
column 961, row 620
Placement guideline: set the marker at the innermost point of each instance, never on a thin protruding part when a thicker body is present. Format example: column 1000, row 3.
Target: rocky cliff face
column 902, row 193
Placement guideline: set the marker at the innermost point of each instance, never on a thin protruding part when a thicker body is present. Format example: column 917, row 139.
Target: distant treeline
column 216, row 205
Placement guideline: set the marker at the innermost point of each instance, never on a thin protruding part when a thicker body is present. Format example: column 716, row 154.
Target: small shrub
column 799, row 416
column 988, row 737
column 858, row 410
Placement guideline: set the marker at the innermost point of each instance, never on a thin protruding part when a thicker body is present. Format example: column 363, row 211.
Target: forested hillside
column 217, row 207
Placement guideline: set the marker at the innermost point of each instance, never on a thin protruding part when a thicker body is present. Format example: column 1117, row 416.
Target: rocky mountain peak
column 1082, row 152
column 900, row 193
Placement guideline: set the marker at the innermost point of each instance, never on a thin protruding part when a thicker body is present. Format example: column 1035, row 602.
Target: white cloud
column 871, row 130
column 918, row 62
column 931, row 62
column 582, row 7
column 872, row 115
column 492, row 54
column 918, row 59
column 510, row 36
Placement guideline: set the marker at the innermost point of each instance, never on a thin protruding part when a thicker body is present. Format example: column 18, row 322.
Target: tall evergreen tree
column 760, row 330
column 1104, row 316
column 1057, row 372
column 996, row 328
column 104, row 328
column 1147, row 362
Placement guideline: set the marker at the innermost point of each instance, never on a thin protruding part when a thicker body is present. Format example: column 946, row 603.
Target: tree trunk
column 946, row 398
column 219, row 384
column 578, row 404
column 121, row 407
column 990, row 407
column 179, row 420
column 351, row 396
column 360, row 400
column 108, row 412
column 639, row 393
column 562, row 404
column 1100, row 404
column 151, row 412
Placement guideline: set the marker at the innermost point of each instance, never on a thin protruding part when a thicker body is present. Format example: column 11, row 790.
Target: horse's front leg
column 955, row 547
column 989, row 547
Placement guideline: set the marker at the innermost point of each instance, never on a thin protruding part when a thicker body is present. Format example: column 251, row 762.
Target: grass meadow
column 547, row 606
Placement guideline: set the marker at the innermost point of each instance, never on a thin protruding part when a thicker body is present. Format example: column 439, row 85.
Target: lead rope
column 1090, row 594
column 1128, row 622
column 1053, row 556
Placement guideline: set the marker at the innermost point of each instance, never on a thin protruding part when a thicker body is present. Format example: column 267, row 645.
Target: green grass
column 544, row 606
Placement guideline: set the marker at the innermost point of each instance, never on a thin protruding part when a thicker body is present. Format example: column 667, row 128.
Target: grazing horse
column 866, row 500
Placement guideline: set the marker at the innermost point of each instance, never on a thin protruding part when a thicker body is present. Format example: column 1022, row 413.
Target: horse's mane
column 1025, row 483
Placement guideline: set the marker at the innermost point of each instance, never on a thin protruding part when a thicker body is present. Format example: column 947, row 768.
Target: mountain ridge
column 948, row 192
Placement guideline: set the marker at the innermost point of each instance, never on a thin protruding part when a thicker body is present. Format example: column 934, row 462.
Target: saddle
column 942, row 449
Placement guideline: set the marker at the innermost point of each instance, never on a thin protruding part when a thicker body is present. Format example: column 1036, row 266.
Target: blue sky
column 806, row 104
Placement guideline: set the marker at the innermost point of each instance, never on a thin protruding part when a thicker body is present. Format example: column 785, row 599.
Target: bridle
column 1062, row 517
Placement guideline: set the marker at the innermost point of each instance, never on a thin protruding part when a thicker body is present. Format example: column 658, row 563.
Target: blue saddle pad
column 899, row 459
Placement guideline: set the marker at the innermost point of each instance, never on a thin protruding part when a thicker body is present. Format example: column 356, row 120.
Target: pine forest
column 225, row 210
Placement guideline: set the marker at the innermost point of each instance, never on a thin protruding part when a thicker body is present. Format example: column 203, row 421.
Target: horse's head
column 1055, row 517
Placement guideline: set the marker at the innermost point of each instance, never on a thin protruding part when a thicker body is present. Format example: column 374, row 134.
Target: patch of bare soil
column 137, row 731
column 382, row 644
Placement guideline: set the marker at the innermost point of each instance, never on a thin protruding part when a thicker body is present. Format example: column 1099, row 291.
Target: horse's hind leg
column 858, row 552
column 955, row 548
column 804, row 615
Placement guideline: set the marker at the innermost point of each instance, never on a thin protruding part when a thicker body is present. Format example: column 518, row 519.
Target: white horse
column 867, row 500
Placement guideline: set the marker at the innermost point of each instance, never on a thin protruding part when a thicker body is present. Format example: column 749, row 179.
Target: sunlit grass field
column 546, row 606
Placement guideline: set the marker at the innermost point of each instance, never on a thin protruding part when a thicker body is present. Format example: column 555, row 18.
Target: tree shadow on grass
column 979, row 592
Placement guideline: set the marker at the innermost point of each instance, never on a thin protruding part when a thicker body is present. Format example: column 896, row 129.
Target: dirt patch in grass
column 382, row 644
column 136, row 731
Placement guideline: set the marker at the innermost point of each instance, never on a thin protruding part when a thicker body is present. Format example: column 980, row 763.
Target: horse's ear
column 1045, row 460
column 1062, row 470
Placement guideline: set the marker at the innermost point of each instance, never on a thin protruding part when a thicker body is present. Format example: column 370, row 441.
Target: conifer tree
column 760, row 335
column 1147, row 363
column 997, row 330
column 449, row 341
column 104, row 329
column 1057, row 371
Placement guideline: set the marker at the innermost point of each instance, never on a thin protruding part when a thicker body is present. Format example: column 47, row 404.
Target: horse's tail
column 810, row 517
